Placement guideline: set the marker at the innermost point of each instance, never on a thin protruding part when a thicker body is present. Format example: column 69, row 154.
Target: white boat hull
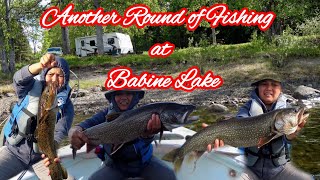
column 224, row 163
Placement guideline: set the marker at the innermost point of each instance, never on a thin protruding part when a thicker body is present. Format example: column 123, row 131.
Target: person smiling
column 271, row 161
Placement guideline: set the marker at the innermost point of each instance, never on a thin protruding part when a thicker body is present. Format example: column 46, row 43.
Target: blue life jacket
column 277, row 149
column 144, row 150
column 23, row 113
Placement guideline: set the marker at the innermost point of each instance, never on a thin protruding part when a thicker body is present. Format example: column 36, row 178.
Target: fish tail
column 170, row 156
column 177, row 164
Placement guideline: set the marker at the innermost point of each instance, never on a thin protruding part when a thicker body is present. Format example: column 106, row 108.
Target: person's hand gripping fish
column 216, row 143
column 78, row 138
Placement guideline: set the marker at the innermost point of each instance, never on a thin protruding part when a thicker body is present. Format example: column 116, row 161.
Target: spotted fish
column 47, row 118
column 244, row 132
column 132, row 124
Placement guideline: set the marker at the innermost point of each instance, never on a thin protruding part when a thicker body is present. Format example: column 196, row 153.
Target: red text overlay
column 122, row 78
column 140, row 15
column 161, row 50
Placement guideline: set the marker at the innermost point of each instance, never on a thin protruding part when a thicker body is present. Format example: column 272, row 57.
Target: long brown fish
column 47, row 118
column 244, row 132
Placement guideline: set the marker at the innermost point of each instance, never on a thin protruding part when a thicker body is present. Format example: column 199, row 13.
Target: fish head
column 176, row 115
column 287, row 120
column 48, row 98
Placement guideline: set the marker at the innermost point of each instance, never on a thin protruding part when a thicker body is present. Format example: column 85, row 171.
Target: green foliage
column 46, row 41
column 289, row 45
column 256, row 40
column 311, row 26
column 290, row 13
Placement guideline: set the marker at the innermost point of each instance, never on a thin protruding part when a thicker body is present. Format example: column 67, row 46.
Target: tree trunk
column 273, row 29
column 99, row 32
column 3, row 54
column 12, row 56
column 66, row 40
column 214, row 37
column 11, row 40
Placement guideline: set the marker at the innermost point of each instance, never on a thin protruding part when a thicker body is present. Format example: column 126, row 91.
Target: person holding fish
column 130, row 159
column 20, row 151
column 272, row 160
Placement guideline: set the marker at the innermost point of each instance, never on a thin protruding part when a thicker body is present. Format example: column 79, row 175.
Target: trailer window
column 110, row 40
column 82, row 43
column 92, row 43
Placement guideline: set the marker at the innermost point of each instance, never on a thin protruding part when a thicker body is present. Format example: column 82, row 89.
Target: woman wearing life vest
column 133, row 159
column 20, row 150
column 271, row 161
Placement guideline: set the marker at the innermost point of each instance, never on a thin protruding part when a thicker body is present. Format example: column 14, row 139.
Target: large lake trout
column 47, row 118
column 132, row 124
column 244, row 132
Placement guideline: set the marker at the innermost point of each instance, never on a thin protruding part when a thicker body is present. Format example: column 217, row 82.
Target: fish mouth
column 182, row 119
column 188, row 119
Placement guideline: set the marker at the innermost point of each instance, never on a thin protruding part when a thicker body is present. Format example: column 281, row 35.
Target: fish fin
column 194, row 155
column 113, row 116
column 266, row 140
column 168, row 126
column 161, row 134
column 117, row 148
column 74, row 152
column 155, row 143
column 170, row 156
column 188, row 137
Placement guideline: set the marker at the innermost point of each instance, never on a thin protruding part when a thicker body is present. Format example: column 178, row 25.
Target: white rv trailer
column 113, row 43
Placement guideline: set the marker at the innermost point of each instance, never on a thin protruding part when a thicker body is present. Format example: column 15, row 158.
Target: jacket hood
column 137, row 95
column 280, row 103
column 61, row 63
column 109, row 94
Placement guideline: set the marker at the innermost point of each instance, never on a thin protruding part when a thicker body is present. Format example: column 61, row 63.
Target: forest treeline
column 19, row 25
